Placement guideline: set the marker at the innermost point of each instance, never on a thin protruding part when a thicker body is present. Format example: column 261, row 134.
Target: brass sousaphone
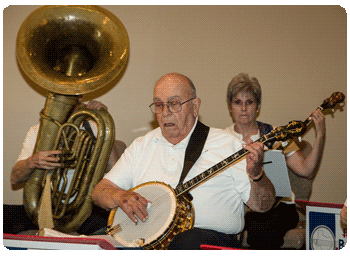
column 71, row 50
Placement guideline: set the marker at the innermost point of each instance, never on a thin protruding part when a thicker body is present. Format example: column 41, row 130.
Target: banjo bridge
column 140, row 241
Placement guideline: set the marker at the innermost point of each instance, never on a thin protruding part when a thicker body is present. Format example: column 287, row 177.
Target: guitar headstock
column 336, row 97
column 292, row 130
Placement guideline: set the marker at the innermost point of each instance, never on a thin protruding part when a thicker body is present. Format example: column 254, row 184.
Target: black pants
column 16, row 220
column 266, row 230
column 193, row 238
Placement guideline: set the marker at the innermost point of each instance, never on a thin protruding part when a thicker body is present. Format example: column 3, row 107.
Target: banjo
column 171, row 211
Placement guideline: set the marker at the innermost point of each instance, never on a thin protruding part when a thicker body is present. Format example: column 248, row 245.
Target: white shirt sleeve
column 29, row 143
column 121, row 173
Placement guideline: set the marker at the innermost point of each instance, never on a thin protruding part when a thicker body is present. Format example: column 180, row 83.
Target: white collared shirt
column 218, row 203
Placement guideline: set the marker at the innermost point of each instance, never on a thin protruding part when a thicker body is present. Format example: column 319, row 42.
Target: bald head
column 175, row 79
column 176, row 88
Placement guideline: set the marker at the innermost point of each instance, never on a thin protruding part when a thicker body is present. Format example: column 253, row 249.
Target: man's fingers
column 255, row 151
column 129, row 211
column 141, row 213
column 135, row 206
column 96, row 105
column 253, row 148
column 140, row 208
column 50, row 152
column 50, row 166
column 134, row 213
column 51, row 159
column 249, row 141
column 143, row 200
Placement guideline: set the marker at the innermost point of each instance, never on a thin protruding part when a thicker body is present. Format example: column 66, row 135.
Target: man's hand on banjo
column 113, row 197
column 132, row 204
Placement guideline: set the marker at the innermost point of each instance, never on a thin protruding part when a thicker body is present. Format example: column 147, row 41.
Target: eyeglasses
column 247, row 103
column 174, row 106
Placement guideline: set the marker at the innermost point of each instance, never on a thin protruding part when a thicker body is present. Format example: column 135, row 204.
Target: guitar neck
column 221, row 166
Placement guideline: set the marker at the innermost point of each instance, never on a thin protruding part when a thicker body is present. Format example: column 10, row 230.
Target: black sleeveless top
column 265, row 129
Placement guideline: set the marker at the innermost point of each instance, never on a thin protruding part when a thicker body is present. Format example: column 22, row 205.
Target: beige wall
column 298, row 53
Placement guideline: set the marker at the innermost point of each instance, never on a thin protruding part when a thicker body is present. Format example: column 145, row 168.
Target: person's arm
column 262, row 192
column 109, row 196
column 262, row 195
column 306, row 167
column 343, row 216
column 21, row 171
column 41, row 160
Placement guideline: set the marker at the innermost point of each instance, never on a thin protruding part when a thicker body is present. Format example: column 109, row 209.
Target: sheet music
column 275, row 168
column 54, row 233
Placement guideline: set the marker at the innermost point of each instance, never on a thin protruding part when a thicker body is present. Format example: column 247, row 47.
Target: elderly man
column 159, row 156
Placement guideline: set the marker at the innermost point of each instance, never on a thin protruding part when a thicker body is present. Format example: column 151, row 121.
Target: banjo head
column 161, row 213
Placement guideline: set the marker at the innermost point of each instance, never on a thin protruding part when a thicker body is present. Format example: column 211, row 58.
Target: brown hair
column 240, row 83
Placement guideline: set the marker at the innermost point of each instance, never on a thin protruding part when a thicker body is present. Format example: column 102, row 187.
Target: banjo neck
column 216, row 169
column 329, row 103
column 293, row 128
column 221, row 166
column 308, row 120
